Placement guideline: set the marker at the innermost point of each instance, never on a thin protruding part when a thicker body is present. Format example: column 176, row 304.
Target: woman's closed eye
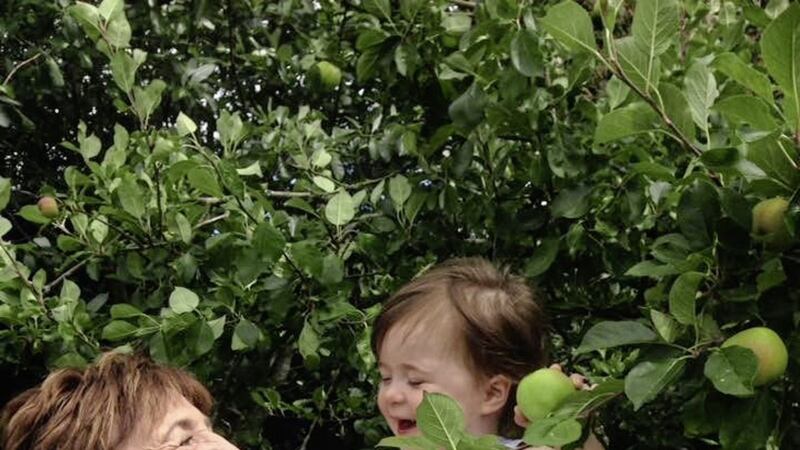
column 415, row 383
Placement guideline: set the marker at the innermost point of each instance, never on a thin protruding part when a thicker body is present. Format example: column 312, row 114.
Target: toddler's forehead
column 428, row 337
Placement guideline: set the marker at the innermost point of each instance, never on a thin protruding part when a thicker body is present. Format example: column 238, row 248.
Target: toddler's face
column 424, row 361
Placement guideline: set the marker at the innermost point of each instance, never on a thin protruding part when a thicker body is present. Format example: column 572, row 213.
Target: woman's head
column 118, row 403
column 463, row 314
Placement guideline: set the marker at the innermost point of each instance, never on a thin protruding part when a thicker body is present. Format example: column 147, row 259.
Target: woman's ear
column 495, row 394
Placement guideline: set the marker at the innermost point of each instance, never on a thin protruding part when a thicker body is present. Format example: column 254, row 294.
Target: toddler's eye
column 386, row 379
column 415, row 383
column 187, row 441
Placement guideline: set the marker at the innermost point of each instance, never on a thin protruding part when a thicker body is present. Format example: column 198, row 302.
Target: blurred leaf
column 183, row 300
column 739, row 71
column 614, row 334
column 780, row 48
column 682, row 297
column 626, row 121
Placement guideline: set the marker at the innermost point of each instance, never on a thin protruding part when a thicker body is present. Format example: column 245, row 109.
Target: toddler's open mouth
column 405, row 426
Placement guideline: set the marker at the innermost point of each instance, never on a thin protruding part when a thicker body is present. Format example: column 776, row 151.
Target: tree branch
column 19, row 66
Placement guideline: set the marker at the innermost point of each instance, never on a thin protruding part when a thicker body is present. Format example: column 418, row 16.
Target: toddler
column 465, row 329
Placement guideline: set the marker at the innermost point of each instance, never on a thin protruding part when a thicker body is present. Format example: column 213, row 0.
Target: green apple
column 48, row 207
column 327, row 75
column 769, row 349
column 542, row 391
column 768, row 221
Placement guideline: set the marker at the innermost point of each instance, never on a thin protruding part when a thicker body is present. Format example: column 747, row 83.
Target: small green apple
column 769, row 349
column 327, row 74
column 542, row 391
column 768, row 221
column 48, row 207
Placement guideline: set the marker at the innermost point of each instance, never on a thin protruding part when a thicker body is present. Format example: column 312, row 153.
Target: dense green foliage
column 226, row 206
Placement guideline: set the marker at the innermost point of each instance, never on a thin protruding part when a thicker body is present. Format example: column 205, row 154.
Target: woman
column 122, row 402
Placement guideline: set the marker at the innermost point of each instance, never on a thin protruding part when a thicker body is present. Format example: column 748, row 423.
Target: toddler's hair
column 497, row 314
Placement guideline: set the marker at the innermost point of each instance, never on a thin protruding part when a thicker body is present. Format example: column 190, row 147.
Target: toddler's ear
column 495, row 394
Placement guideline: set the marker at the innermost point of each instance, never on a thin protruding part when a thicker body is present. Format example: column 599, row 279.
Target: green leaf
column 777, row 160
column 55, row 72
column 737, row 70
column 90, row 147
column 701, row 92
column 367, row 65
column 651, row 269
column 748, row 109
column 183, row 300
column 467, row 111
column 381, row 9
column 184, row 227
column 772, row 275
column 747, row 424
column 32, row 214
column 185, row 124
column 441, row 420
column 666, row 326
column 324, row 183
column 399, row 190
column 525, row 53
column 369, row 38
column 543, row 257
column 571, row 203
column 111, row 8
column 5, row 226
column 643, row 70
column 655, row 25
column 204, row 180
column 645, row 381
column 117, row 330
column 88, row 17
column 682, row 297
column 268, row 242
column 231, row 129
column 5, row 192
column 131, row 197
column 145, row 101
column 124, row 311
column 201, row 338
column 614, row 334
column 697, row 212
column 118, row 32
column 245, row 335
column 617, row 92
column 340, row 209
column 732, row 370
column 571, row 25
column 677, row 109
column 124, row 67
column 780, row 48
column 553, row 431
column 409, row 442
column 626, row 121
column 308, row 342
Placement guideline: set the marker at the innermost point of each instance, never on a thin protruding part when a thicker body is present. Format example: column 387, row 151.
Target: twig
column 158, row 201
column 213, row 219
column 288, row 194
column 64, row 275
column 19, row 66
column 617, row 70
column 464, row 3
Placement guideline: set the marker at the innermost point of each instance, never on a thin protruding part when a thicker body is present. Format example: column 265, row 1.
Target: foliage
column 220, row 211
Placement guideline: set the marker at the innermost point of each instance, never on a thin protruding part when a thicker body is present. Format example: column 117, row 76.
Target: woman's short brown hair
column 96, row 408
column 500, row 318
